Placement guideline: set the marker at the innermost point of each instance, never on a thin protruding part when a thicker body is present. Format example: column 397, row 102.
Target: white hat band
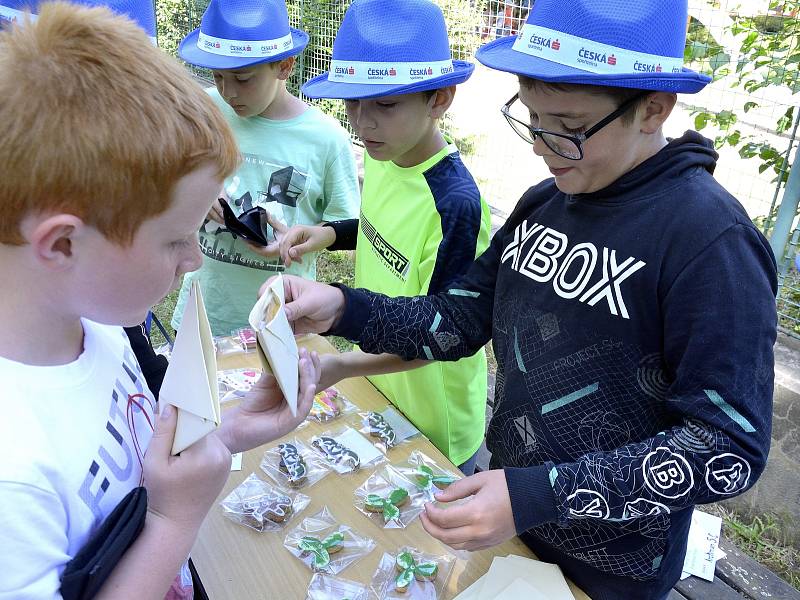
column 343, row 71
column 587, row 55
column 246, row 48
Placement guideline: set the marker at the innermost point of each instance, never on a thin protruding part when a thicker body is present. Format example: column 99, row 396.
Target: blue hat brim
column 500, row 56
column 189, row 52
column 320, row 87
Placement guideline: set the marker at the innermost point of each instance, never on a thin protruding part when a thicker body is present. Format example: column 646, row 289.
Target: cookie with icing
column 388, row 505
column 321, row 549
column 326, row 405
column 336, row 453
column 379, row 428
column 292, row 464
column 257, row 512
column 409, row 569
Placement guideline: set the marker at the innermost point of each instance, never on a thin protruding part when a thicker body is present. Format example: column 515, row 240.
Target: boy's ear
column 656, row 110
column 52, row 240
column 441, row 101
column 285, row 68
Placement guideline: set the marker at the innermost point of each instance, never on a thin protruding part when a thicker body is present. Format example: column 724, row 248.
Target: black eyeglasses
column 568, row 146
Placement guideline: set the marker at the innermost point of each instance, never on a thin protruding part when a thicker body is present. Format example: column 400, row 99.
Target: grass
column 758, row 537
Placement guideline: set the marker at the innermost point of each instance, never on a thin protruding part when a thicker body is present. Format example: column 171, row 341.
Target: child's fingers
column 460, row 489
column 276, row 224
column 164, row 433
column 266, row 382
column 453, row 537
column 450, row 517
column 308, row 383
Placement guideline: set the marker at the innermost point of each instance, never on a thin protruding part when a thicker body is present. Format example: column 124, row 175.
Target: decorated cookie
column 326, row 405
column 389, row 506
column 321, row 549
column 336, row 453
column 426, row 479
column 378, row 427
column 277, row 509
column 409, row 569
column 292, row 464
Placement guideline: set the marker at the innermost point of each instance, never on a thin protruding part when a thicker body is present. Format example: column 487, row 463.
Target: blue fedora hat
column 387, row 47
column 618, row 43
column 140, row 11
column 239, row 33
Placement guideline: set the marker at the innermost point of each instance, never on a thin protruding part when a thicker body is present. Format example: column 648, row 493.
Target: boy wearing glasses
column 631, row 305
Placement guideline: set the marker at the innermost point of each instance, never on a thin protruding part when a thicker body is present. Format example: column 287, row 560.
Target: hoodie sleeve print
column 719, row 330
column 454, row 323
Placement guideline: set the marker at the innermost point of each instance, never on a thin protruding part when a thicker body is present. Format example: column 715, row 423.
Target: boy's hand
column 485, row 521
column 263, row 414
column 271, row 250
column 181, row 489
column 311, row 307
column 302, row 239
column 331, row 371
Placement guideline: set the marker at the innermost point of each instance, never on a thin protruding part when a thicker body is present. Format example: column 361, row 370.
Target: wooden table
column 237, row 563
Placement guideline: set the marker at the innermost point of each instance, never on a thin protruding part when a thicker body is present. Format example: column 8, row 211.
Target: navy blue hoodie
column 633, row 329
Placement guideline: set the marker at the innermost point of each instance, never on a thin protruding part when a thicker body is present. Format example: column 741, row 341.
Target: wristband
column 346, row 234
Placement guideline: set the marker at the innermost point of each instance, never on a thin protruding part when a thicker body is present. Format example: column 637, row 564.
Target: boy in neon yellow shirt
column 422, row 221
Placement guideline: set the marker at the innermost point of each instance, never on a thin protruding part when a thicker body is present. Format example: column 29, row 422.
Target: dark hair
column 618, row 94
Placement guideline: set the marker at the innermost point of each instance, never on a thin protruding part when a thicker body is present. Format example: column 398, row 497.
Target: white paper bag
column 190, row 383
column 277, row 348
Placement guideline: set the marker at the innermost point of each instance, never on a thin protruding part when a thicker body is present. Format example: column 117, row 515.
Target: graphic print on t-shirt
column 280, row 189
column 128, row 431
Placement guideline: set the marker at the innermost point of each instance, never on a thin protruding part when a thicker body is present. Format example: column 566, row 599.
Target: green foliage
column 702, row 47
column 760, row 538
column 175, row 19
column 769, row 56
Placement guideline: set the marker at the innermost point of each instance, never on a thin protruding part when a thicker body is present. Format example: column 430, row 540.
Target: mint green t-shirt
column 420, row 229
column 303, row 172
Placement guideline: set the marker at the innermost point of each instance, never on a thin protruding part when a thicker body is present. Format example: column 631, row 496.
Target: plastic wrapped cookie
column 329, row 404
column 293, row 464
column 261, row 506
column 428, row 475
column 387, row 429
column 409, row 573
column 346, row 451
column 326, row 545
column 390, row 500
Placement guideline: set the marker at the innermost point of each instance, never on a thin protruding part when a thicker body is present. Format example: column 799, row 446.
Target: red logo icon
column 392, row 72
column 351, row 71
column 430, row 71
column 555, row 45
column 658, row 68
column 247, row 49
column 216, row 45
column 612, row 60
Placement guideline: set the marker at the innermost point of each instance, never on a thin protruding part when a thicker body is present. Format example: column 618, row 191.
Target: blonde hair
column 97, row 122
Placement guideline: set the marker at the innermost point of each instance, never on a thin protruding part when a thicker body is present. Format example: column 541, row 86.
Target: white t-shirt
column 68, row 440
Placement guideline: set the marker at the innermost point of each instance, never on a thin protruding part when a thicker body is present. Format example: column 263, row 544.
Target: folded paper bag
column 277, row 347
column 190, row 383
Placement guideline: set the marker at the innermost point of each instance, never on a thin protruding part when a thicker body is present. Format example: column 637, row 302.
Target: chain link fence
column 752, row 50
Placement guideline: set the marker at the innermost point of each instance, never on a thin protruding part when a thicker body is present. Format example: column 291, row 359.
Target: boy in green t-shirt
column 422, row 220
column 297, row 162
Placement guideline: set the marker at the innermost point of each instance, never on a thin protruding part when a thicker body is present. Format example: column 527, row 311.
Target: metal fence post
column 786, row 212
